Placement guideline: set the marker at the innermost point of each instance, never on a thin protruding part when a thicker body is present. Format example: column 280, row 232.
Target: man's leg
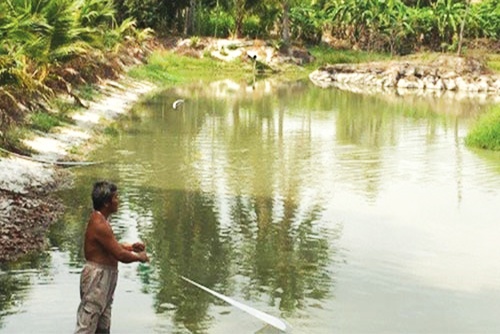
column 104, row 324
column 87, row 318
column 88, row 311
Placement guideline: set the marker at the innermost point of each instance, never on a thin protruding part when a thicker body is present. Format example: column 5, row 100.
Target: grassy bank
column 167, row 68
column 324, row 54
column 493, row 62
column 485, row 134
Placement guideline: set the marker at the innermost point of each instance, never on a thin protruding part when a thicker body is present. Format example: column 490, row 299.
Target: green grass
column 493, row 62
column 485, row 133
column 112, row 130
column 88, row 92
column 326, row 55
column 12, row 140
column 43, row 121
column 167, row 69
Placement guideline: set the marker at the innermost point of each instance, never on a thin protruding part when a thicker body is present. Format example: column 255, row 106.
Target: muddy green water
column 340, row 213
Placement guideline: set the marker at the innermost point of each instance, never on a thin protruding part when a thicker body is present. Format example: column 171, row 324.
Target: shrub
column 215, row 23
column 252, row 27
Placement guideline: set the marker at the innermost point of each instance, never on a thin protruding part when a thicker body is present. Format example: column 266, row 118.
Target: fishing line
column 267, row 318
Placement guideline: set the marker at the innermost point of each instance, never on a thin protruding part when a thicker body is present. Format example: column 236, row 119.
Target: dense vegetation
column 381, row 25
column 52, row 46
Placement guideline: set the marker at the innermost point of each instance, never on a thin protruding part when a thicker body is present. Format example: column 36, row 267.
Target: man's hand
column 138, row 247
column 143, row 257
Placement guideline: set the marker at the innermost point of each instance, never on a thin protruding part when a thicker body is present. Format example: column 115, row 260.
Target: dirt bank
column 27, row 204
column 27, row 207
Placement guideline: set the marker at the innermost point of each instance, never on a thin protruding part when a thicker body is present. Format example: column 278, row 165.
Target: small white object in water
column 177, row 103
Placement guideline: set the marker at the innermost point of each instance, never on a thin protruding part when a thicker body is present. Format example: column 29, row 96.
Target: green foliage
column 18, row 87
column 87, row 92
column 216, row 23
column 269, row 14
column 46, row 30
column 252, row 27
column 399, row 26
column 484, row 20
column 423, row 25
column 194, row 41
column 43, row 121
column 112, row 131
column 144, row 11
column 354, row 18
column 47, row 42
column 96, row 13
column 64, row 108
column 49, row 31
column 405, row 27
column 395, row 24
column 448, row 15
column 307, row 23
column 96, row 19
column 485, row 133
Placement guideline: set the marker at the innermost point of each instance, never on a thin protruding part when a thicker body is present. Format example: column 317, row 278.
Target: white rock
column 449, row 84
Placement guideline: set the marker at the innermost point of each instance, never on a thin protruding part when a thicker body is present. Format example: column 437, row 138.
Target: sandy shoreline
column 27, row 208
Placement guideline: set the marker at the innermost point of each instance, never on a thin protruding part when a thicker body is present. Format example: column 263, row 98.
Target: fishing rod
column 267, row 318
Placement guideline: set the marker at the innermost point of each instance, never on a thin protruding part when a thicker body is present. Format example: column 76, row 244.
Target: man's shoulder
column 97, row 222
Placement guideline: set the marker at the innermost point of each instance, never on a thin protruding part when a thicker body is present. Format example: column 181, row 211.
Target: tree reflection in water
column 282, row 261
column 15, row 281
column 287, row 258
column 258, row 239
column 186, row 241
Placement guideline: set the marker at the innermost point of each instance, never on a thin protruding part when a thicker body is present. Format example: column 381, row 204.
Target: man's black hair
column 102, row 193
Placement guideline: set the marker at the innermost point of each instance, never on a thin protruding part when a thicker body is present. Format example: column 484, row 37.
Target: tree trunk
column 240, row 15
column 285, row 32
column 462, row 26
column 191, row 16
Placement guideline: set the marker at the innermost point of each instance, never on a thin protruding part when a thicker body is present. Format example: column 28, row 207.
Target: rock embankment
column 245, row 50
column 454, row 74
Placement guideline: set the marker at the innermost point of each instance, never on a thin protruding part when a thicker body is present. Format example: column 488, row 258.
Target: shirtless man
column 102, row 252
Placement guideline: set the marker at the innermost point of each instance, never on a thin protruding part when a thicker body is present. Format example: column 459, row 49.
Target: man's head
column 105, row 196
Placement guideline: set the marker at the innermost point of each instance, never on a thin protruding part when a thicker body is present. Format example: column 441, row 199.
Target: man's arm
column 136, row 247
column 106, row 238
column 126, row 246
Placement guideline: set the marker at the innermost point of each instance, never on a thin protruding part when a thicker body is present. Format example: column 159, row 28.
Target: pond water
column 338, row 212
